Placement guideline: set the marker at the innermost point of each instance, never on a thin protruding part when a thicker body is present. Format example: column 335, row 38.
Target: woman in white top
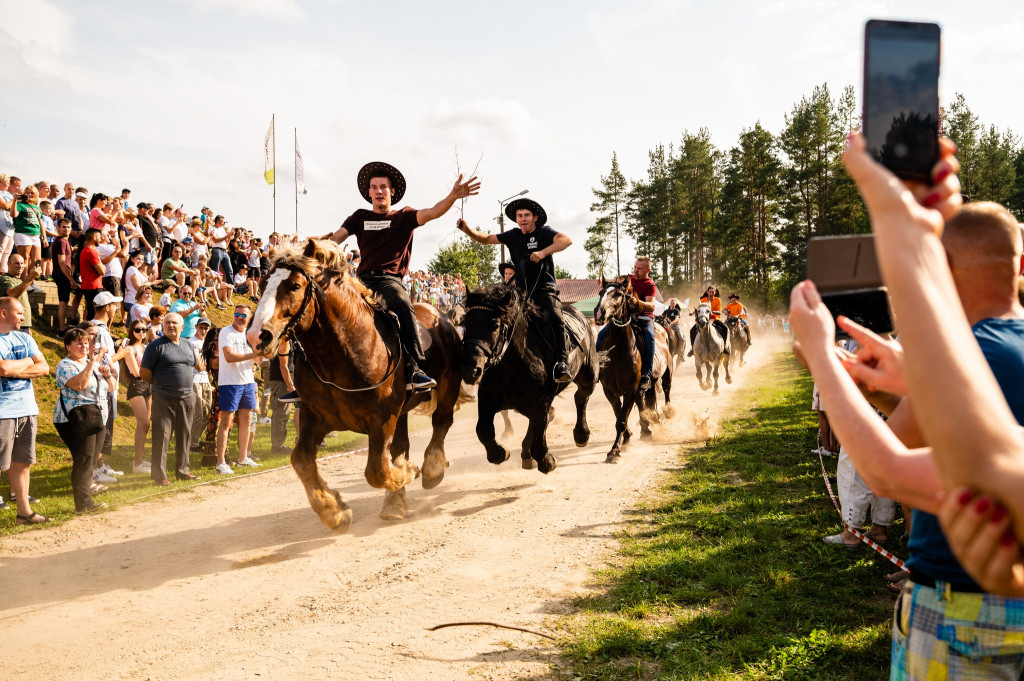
column 199, row 242
column 143, row 304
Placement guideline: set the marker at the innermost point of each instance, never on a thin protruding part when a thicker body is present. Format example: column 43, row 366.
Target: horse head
column 703, row 315
column 616, row 301
column 294, row 288
column 489, row 322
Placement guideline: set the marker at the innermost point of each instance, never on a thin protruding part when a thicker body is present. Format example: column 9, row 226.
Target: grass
column 51, row 475
column 726, row 577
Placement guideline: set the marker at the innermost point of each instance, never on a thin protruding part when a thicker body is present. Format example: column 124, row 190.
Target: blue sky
column 172, row 97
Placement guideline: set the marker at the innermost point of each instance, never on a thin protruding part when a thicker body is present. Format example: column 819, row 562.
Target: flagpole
column 296, row 181
column 273, row 134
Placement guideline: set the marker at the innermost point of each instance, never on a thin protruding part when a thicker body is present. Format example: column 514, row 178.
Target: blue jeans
column 646, row 325
column 218, row 255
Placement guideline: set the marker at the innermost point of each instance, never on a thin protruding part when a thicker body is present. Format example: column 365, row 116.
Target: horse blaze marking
column 268, row 302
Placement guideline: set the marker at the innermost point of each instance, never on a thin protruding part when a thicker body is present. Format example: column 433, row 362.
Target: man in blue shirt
column 20, row 362
column 189, row 309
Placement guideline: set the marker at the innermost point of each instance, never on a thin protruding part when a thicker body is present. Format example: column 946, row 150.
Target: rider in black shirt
column 530, row 249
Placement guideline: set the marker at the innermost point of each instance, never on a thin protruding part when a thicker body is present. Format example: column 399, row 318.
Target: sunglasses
column 137, row 330
column 241, row 314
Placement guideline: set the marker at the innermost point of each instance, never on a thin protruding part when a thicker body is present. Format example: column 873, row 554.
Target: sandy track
column 242, row 581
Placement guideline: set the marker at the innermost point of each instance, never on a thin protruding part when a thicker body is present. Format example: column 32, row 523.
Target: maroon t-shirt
column 644, row 288
column 385, row 241
column 60, row 251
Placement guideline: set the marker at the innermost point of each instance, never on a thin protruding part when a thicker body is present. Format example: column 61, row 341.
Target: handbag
column 86, row 419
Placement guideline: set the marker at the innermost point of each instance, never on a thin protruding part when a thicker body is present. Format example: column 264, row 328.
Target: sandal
column 838, row 539
column 897, row 586
column 32, row 519
column 897, row 576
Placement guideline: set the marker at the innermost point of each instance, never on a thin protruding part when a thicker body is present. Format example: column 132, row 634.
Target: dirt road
column 242, row 581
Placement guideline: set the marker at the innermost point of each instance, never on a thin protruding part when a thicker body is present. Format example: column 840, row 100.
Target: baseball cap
column 105, row 298
column 204, row 320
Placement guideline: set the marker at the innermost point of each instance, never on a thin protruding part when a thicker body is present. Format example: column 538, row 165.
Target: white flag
column 300, row 183
column 268, row 154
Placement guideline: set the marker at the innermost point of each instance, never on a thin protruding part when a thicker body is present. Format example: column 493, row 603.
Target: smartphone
column 901, row 96
column 845, row 271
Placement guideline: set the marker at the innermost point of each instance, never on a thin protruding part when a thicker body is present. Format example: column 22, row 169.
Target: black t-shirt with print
column 385, row 240
column 520, row 246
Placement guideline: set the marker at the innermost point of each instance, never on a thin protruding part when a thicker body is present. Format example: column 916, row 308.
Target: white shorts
column 816, row 404
column 26, row 240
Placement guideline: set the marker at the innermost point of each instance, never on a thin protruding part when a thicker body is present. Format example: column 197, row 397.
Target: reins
column 492, row 357
column 314, row 289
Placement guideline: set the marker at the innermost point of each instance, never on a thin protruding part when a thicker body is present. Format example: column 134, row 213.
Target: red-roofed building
column 574, row 290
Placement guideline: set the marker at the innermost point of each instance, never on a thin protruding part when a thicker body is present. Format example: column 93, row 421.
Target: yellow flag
column 268, row 154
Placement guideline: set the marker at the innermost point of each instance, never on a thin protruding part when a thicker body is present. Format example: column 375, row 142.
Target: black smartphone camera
column 901, row 96
column 845, row 271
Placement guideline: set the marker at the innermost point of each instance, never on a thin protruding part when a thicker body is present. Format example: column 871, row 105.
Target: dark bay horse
column 507, row 349
column 738, row 343
column 350, row 374
column 620, row 362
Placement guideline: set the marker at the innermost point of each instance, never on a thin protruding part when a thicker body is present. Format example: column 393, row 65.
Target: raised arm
column 475, row 235
column 560, row 243
column 460, row 191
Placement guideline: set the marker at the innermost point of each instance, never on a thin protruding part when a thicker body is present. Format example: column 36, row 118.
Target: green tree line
column 740, row 217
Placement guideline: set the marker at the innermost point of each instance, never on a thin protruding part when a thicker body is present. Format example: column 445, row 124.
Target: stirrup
column 420, row 382
column 560, row 373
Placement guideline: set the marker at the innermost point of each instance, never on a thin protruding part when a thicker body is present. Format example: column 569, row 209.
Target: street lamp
column 501, row 217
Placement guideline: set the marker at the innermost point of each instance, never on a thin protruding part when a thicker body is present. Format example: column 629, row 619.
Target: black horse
column 507, row 348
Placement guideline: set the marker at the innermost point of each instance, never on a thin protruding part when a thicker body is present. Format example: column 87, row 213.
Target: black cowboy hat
column 734, row 295
column 381, row 169
column 526, row 204
column 503, row 265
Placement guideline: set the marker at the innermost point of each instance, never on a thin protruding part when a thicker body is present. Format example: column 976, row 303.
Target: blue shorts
column 149, row 257
column 235, row 397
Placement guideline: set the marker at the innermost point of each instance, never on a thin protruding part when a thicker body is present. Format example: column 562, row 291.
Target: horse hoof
column 392, row 513
column 433, row 472
column 340, row 521
column 432, row 482
column 529, row 464
column 547, row 464
column 669, row 411
column 613, row 457
column 498, row 455
column 394, row 506
column 705, row 387
column 581, row 437
column 715, row 392
column 728, row 379
column 646, row 435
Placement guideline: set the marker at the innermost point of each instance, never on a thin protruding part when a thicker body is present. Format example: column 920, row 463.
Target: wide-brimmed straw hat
column 381, row 169
column 526, row 204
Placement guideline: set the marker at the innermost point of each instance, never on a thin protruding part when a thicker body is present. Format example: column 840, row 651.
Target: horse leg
column 700, row 376
column 326, row 502
column 381, row 473
column 666, row 387
column 585, row 381
column 717, row 364
column 508, row 432
column 620, row 423
column 394, row 506
column 539, row 447
column 641, row 400
column 725, row 361
column 496, row 452
column 528, row 463
column 434, row 460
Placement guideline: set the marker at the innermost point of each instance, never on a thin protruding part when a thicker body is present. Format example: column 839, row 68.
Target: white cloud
column 278, row 9
column 22, row 40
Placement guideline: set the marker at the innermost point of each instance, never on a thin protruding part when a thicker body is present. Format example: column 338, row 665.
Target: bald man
column 167, row 364
column 984, row 250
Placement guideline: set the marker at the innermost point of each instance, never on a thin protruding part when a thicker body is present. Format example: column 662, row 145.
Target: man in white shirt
column 236, row 388
column 219, row 249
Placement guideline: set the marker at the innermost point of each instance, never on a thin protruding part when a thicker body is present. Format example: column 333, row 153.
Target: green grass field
column 725, row 576
column 51, row 475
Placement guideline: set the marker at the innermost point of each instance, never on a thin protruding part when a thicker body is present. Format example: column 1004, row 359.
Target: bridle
column 622, row 310
column 315, row 293
column 492, row 357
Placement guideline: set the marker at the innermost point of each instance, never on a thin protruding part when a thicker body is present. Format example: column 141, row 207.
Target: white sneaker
column 105, row 468
column 263, row 420
column 143, row 467
column 102, row 478
column 248, row 462
column 223, row 469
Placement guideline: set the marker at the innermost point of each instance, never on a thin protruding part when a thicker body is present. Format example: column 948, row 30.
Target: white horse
column 708, row 349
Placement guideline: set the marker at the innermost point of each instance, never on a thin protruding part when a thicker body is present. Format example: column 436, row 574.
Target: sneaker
column 31, row 499
column 645, row 382
column 419, row 382
column 289, row 397
column 91, row 507
column 224, row 469
column 143, row 467
column 3, row 504
column 110, row 471
column 96, row 489
column 101, row 477
column 263, row 420
column 248, row 463
column 561, row 373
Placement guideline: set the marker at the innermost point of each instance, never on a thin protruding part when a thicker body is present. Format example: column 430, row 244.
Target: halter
column 314, row 289
column 614, row 319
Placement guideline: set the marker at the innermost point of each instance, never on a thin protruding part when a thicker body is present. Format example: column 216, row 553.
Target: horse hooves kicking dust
column 529, row 464
column 394, row 507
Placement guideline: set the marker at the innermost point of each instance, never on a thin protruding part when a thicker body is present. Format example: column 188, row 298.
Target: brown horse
column 350, row 374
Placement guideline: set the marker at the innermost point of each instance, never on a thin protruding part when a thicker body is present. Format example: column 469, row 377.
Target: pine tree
column 611, row 209
column 696, row 176
column 962, row 126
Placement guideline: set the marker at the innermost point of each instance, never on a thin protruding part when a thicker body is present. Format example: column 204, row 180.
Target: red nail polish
column 965, row 497
column 1008, row 539
column 982, row 505
column 997, row 514
column 931, row 200
column 942, row 175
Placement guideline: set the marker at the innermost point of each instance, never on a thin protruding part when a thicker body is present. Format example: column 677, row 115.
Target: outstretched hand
column 470, row 187
column 811, row 322
column 878, row 363
column 979, row 533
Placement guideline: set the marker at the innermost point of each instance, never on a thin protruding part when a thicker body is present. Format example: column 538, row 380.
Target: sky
column 172, row 98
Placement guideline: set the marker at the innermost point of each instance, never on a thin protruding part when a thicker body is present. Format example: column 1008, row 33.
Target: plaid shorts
column 938, row 634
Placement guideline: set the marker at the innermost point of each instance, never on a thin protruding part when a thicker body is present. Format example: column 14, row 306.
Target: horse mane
column 326, row 265
column 506, row 301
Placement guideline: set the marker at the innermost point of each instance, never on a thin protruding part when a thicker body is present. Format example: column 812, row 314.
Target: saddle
column 426, row 341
